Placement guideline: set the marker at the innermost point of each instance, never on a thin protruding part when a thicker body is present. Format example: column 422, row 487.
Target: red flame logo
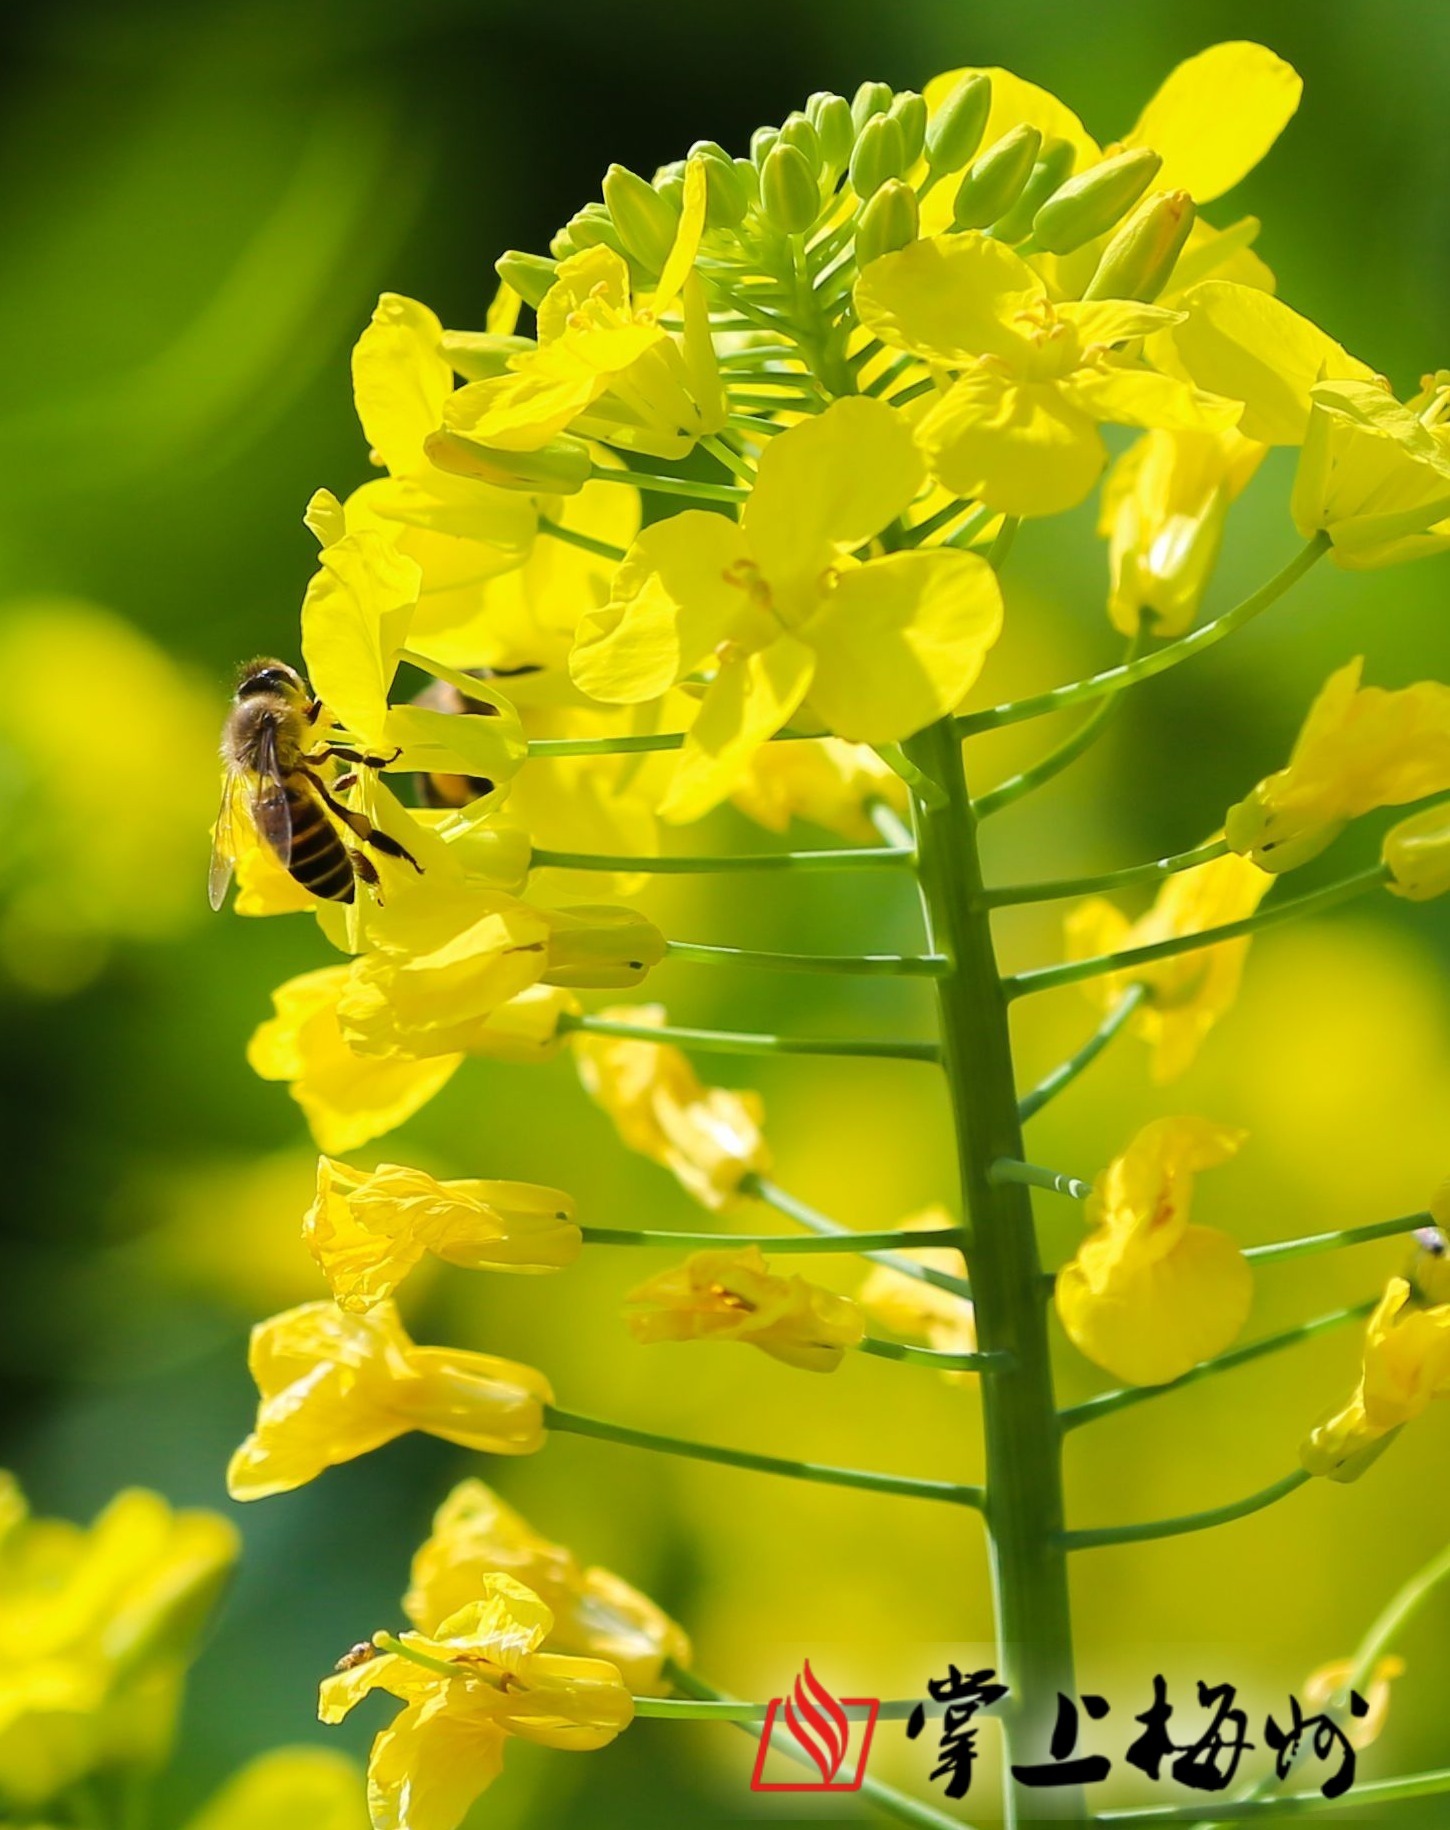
column 818, row 1723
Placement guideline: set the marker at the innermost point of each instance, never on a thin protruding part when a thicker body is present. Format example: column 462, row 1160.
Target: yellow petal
column 686, row 246
column 1142, row 397
column 949, row 299
column 428, row 1766
column 748, row 702
column 347, row 1099
column 1216, row 116
column 674, row 598
column 900, row 640
column 355, row 618
column 824, row 487
column 400, row 381
column 1247, row 345
column 452, row 743
column 1151, row 1320
column 1022, row 449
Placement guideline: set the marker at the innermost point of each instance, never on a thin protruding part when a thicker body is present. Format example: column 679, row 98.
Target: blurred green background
column 198, row 207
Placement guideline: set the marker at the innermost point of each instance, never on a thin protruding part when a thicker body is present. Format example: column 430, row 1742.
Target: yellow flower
column 350, row 1098
column 1374, row 475
column 1018, row 428
column 1322, row 1686
column 484, row 1679
column 733, row 1296
column 596, row 1614
column 526, row 617
column 334, row 1386
column 465, row 960
column 356, row 618
column 367, row 1230
column 1406, row 1364
column 97, row 1628
column 919, row 1311
column 784, row 616
column 1149, row 1295
column 1241, row 342
column 829, row 782
column 1189, row 992
column 1361, row 747
column 1163, row 510
column 605, row 367
column 461, row 533
column 708, row 1137
column 347, row 1098
column 289, row 1788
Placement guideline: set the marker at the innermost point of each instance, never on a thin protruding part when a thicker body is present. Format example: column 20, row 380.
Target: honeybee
column 272, row 780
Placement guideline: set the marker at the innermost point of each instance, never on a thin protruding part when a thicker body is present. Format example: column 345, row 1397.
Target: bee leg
column 344, row 782
column 367, row 872
column 363, row 826
column 343, row 753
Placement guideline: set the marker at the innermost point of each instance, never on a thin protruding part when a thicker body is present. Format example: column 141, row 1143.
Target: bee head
column 265, row 676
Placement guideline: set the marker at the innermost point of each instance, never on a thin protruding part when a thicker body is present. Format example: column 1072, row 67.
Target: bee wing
column 224, row 842
column 270, row 809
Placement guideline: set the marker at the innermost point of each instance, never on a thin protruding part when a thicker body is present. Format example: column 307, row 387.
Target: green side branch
column 869, row 1480
column 1171, row 654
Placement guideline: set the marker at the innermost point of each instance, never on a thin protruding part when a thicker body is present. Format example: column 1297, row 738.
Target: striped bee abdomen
column 319, row 858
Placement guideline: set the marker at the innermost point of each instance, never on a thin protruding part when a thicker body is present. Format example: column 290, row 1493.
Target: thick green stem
column 1024, row 1508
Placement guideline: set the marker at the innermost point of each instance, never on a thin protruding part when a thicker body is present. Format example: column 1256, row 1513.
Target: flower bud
column 909, row 113
column 592, row 946
column 995, row 182
column 726, row 199
column 831, row 117
column 1054, row 163
column 530, row 275
column 560, row 468
column 799, row 132
column 888, row 222
column 592, row 227
column 748, row 173
column 879, row 154
column 479, row 355
column 1251, row 828
column 869, row 100
column 1089, row 204
column 1417, row 852
column 669, row 183
column 955, row 131
column 646, row 221
column 761, row 142
column 1139, row 261
column 788, row 190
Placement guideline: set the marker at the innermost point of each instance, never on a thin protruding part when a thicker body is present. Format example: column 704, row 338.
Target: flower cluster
column 713, row 510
